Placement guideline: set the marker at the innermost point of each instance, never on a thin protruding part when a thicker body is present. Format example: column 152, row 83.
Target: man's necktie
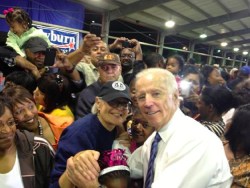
column 153, row 153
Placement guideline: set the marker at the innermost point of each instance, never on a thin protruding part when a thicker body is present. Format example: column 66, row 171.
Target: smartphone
column 96, row 28
column 50, row 55
column 185, row 88
column 126, row 44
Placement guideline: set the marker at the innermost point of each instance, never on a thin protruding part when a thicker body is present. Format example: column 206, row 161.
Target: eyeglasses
column 122, row 105
column 107, row 67
column 9, row 123
column 127, row 55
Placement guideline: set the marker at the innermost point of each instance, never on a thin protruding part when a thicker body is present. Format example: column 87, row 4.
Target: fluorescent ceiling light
column 203, row 35
column 245, row 53
column 223, row 44
column 170, row 23
column 236, row 49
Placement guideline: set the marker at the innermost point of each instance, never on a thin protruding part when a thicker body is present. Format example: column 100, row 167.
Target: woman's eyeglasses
column 123, row 105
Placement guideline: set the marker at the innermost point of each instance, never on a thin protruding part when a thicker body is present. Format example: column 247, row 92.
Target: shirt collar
column 168, row 130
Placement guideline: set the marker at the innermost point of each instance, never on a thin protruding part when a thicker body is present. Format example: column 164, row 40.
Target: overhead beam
column 246, row 41
column 130, row 20
column 135, row 7
column 213, row 21
column 174, row 13
column 224, row 35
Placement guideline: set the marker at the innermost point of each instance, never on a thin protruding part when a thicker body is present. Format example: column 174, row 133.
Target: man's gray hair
column 163, row 75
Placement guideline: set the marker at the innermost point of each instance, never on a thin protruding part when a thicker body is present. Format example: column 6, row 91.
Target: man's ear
column 97, row 101
column 211, row 107
column 176, row 97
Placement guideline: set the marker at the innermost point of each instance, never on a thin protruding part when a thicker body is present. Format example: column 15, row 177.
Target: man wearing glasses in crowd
column 131, row 60
column 109, row 68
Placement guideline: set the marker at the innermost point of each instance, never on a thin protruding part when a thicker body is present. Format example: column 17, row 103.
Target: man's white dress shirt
column 189, row 156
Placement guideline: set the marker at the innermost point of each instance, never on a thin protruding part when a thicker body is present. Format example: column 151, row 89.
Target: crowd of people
column 96, row 118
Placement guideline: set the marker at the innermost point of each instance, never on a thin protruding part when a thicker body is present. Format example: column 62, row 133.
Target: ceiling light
column 170, row 23
column 236, row 49
column 223, row 44
column 245, row 53
column 184, row 48
column 203, row 35
column 218, row 51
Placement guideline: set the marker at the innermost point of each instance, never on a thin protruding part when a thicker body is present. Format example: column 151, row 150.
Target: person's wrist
column 33, row 67
column 111, row 46
column 71, row 70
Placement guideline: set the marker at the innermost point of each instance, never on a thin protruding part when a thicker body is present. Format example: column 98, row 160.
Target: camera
column 185, row 88
column 96, row 29
column 126, row 44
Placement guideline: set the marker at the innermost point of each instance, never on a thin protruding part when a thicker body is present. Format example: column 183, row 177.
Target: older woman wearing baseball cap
column 96, row 131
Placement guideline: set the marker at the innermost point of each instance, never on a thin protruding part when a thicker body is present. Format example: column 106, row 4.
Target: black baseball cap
column 35, row 44
column 113, row 90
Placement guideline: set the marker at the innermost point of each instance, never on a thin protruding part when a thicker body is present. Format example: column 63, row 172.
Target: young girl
column 114, row 169
column 21, row 29
column 175, row 65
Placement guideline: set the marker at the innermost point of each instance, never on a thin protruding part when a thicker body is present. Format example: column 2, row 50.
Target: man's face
column 97, row 50
column 36, row 58
column 154, row 101
column 127, row 58
column 109, row 72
